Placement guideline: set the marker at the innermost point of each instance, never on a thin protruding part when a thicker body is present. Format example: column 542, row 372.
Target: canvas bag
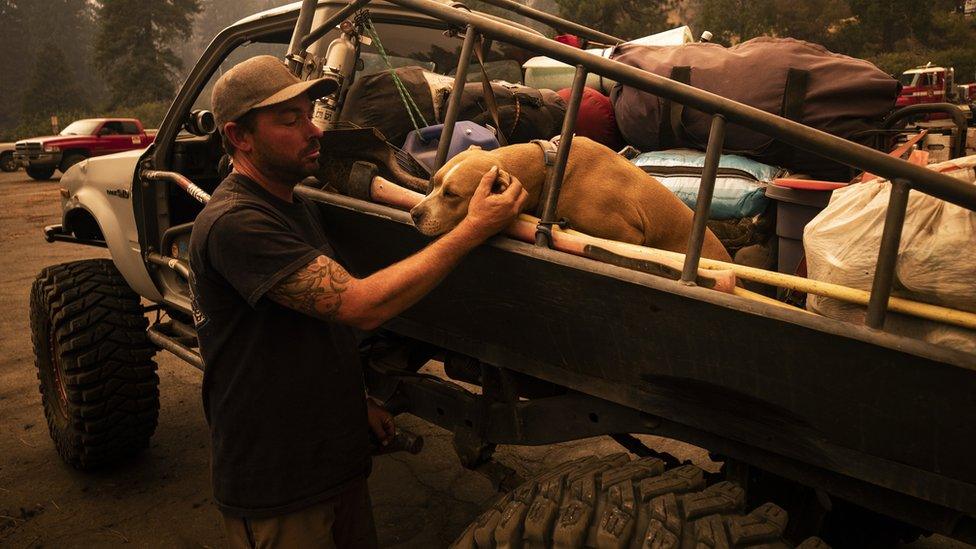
column 798, row 80
column 740, row 184
column 525, row 113
column 936, row 256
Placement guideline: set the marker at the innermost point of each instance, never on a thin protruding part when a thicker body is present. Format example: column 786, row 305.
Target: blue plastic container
column 422, row 143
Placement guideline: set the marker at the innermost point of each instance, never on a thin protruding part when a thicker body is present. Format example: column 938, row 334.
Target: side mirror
column 200, row 122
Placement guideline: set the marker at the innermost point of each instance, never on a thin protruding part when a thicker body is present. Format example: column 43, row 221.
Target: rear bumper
column 56, row 233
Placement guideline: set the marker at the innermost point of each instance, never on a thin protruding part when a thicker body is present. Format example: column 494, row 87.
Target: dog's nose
column 416, row 215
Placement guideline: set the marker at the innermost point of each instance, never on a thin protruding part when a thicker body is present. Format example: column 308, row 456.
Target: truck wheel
column 7, row 163
column 98, row 381
column 41, row 174
column 619, row 502
column 71, row 160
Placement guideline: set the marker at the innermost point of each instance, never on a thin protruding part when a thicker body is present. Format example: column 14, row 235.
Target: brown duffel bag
column 798, row 80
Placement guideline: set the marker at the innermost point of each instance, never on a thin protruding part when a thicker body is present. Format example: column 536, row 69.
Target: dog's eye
column 449, row 194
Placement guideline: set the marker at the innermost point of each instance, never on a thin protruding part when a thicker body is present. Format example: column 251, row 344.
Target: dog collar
column 548, row 151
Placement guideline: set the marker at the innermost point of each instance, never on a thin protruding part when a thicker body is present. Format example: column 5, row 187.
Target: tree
column 734, row 21
column 215, row 16
column 53, row 89
column 12, row 66
column 134, row 47
column 26, row 26
column 627, row 19
column 949, row 41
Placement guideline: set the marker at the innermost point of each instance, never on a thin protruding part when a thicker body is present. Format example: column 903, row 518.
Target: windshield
column 908, row 79
column 81, row 127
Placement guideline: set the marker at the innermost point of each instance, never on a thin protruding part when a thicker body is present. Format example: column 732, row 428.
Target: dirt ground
column 163, row 499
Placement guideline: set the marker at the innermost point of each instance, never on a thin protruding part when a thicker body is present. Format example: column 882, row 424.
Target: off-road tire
column 618, row 502
column 94, row 362
column 70, row 160
column 7, row 163
column 40, row 174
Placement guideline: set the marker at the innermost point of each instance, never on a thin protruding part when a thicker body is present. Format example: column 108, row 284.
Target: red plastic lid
column 809, row 184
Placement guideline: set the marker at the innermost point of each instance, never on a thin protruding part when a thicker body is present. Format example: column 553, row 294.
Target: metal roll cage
column 903, row 175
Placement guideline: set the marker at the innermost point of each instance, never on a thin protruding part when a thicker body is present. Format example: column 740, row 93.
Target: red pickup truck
column 80, row 140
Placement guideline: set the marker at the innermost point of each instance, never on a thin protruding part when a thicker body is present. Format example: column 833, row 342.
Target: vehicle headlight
column 51, row 148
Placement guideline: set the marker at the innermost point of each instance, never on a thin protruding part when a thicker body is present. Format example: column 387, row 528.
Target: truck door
column 111, row 138
column 134, row 137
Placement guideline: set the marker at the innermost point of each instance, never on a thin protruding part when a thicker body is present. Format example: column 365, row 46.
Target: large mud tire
column 94, row 361
column 622, row 503
column 40, row 174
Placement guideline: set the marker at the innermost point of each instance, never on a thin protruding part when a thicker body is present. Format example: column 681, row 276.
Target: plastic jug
column 422, row 143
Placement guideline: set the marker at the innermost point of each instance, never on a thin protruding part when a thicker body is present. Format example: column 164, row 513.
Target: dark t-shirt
column 282, row 391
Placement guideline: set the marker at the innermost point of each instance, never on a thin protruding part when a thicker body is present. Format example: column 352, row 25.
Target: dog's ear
column 474, row 147
column 502, row 181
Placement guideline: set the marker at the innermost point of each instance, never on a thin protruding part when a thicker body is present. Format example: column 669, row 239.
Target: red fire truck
column 932, row 84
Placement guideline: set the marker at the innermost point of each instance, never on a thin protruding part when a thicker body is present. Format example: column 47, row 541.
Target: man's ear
column 238, row 136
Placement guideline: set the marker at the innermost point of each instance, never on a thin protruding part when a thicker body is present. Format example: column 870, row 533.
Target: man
column 282, row 388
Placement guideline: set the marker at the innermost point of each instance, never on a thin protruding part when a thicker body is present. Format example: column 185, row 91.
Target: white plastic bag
column 936, row 256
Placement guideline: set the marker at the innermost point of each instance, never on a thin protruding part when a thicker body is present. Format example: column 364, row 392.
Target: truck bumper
column 40, row 160
column 56, row 233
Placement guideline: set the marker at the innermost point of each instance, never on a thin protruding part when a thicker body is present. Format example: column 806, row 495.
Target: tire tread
column 109, row 374
column 618, row 502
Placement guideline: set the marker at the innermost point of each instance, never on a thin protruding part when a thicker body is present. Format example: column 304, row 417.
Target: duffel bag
column 524, row 113
column 374, row 101
column 740, row 184
column 798, row 80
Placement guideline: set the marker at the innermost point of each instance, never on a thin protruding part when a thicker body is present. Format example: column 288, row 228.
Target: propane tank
column 340, row 62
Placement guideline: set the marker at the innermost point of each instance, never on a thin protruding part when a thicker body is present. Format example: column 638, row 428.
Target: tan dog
column 603, row 195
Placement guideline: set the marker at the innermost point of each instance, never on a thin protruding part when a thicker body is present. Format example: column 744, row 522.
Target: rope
column 408, row 101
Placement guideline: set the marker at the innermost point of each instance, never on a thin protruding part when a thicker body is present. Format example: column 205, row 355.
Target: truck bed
column 889, row 410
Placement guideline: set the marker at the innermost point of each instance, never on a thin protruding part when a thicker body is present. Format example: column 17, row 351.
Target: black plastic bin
column 794, row 209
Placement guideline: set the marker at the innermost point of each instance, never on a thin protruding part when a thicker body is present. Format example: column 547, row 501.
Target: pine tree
column 734, row 21
column 53, row 89
column 12, row 65
column 627, row 19
column 135, row 47
column 25, row 27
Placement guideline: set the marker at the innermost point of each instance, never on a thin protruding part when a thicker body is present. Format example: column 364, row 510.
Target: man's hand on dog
column 489, row 212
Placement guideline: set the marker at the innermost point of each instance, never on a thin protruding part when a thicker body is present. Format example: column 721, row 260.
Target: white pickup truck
column 823, row 427
column 7, row 162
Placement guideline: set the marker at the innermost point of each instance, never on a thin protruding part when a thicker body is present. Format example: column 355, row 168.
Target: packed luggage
column 798, row 80
column 739, row 184
column 524, row 113
column 936, row 255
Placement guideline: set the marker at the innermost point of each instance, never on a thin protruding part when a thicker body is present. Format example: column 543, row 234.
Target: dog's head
column 451, row 190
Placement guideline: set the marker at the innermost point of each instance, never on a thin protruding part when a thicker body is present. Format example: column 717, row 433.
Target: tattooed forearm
column 315, row 289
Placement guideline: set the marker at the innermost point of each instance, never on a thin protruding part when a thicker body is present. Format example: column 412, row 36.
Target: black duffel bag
column 524, row 113
column 798, row 80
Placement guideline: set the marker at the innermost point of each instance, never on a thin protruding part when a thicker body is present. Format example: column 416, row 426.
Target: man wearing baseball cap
column 282, row 389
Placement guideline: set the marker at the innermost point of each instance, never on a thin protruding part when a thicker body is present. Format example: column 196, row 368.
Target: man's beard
column 293, row 171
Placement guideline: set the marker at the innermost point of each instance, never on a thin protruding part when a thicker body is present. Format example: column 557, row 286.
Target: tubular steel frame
column 853, row 474
column 905, row 175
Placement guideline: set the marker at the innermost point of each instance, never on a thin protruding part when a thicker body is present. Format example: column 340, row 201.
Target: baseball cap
column 259, row 82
